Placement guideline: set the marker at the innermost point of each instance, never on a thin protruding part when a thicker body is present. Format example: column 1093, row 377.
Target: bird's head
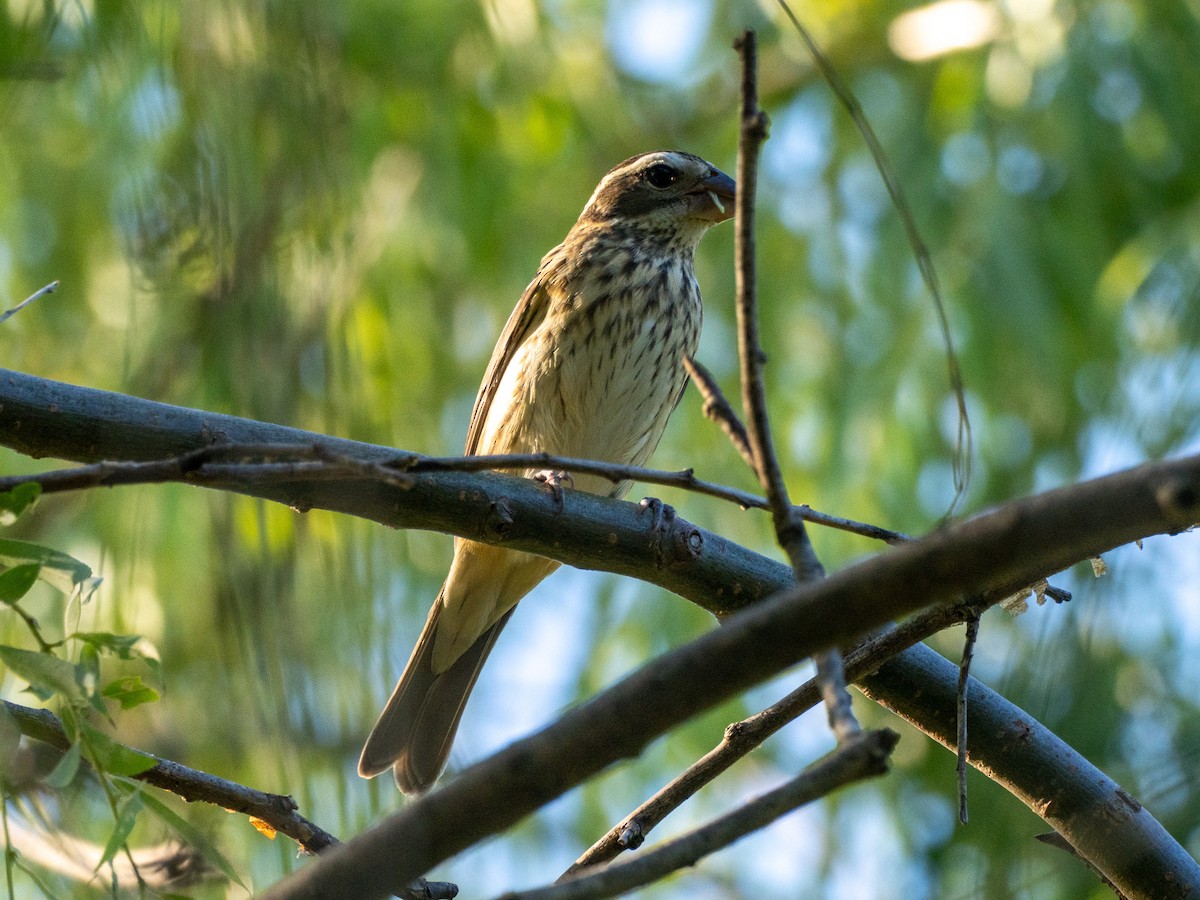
column 667, row 190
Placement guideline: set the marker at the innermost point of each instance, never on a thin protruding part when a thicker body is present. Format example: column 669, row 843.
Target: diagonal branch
column 36, row 295
column 1011, row 546
column 863, row 756
column 717, row 408
column 1015, row 544
column 278, row 811
column 742, row 737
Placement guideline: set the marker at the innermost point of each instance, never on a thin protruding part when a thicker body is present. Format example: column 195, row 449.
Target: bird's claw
column 662, row 516
column 555, row 482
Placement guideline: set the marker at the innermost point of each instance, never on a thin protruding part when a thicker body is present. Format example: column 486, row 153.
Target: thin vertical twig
column 961, row 460
column 789, row 527
column 964, row 672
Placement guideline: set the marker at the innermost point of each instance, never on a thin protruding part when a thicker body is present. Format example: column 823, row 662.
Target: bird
column 589, row 365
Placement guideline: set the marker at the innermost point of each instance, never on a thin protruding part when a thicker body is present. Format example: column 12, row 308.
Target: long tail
column 416, row 728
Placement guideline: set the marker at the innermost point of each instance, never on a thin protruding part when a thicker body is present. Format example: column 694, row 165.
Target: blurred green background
column 321, row 214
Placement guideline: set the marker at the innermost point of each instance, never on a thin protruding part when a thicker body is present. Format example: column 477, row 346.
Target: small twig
column 961, row 462
column 718, row 409
column 34, row 627
column 862, row 756
column 743, row 737
column 311, row 462
column 36, row 295
column 789, row 527
column 964, row 673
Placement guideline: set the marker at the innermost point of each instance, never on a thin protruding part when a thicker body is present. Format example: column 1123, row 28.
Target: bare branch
column 1015, row 544
column 964, row 672
column 226, row 465
column 278, row 811
column 36, row 295
column 1104, row 824
column 862, row 756
column 716, row 407
column 789, row 527
column 742, row 737
column 962, row 446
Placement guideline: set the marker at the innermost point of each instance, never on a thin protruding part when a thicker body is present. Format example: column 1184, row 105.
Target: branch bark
column 1001, row 550
column 741, row 738
column 861, row 756
column 43, row 418
column 1102, row 822
column 789, row 527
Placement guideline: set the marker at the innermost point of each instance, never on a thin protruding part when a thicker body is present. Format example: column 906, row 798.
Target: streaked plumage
column 589, row 365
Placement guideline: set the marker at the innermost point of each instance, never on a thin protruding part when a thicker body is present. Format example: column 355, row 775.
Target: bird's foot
column 662, row 516
column 555, row 482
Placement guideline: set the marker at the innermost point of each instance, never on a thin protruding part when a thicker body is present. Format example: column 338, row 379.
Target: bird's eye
column 661, row 176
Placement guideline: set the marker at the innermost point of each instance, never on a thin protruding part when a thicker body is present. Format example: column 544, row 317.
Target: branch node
column 1180, row 500
column 632, row 834
column 499, row 520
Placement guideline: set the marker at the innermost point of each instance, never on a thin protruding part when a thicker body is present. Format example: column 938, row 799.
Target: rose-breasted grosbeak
column 589, row 365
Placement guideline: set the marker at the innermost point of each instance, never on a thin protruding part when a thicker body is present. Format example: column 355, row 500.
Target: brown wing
column 529, row 313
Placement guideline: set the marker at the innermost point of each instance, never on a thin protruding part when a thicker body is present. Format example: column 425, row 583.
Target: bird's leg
column 555, row 482
column 662, row 516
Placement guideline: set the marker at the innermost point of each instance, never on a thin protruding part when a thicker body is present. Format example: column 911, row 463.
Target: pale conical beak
column 712, row 198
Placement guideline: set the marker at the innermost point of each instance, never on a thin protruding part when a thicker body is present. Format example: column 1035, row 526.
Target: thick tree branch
column 1009, row 546
column 1102, row 822
column 43, row 418
column 1001, row 550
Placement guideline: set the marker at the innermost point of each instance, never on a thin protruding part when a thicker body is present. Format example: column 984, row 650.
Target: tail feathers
column 416, row 728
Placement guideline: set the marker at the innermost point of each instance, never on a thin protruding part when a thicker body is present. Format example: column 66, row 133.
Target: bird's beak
column 712, row 199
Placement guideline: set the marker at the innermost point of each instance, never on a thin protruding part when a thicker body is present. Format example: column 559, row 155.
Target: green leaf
column 127, row 813
column 62, row 774
column 89, row 677
column 129, row 691
column 123, row 646
column 58, row 570
column 113, row 757
column 16, row 582
column 89, row 664
column 47, row 675
column 191, row 835
column 14, row 503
